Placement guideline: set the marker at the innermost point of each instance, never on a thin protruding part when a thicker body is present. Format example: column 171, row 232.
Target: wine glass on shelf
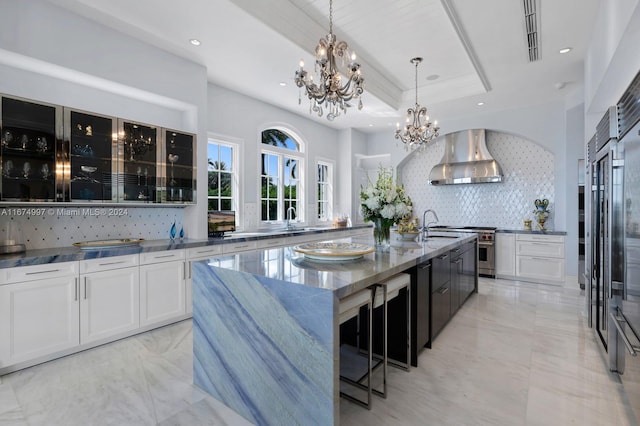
column 26, row 170
column 44, row 170
column 172, row 159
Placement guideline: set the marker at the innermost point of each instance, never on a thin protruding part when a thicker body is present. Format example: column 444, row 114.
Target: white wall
column 51, row 55
column 545, row 125
column 612, row 59
column 233, row 115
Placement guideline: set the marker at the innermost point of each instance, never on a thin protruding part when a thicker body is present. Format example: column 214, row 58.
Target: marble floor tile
column 515, row 354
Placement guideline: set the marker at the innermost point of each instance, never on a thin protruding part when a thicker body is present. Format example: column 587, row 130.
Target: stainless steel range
column 486, row 246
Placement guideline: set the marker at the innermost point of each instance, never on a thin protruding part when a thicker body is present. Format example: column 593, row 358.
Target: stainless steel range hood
column 466, row 159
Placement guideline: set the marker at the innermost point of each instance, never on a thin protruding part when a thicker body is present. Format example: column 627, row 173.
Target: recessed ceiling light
column 433, row 77
column 195, row 42
column 282, row 83
column 370, row 125
column 480, row 103
column 565, row 50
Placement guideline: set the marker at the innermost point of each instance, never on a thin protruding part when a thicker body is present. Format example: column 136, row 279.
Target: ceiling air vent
column 607, row 128
column 531, row 23
column 629, row 106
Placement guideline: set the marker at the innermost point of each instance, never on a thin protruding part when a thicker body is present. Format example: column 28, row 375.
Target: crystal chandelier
column 331, row 91
column 418, row 131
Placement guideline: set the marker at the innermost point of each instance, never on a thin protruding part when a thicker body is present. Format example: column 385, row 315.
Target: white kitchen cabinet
column 540, row 258
column 272, row 243
column 240, row 246
column 194, row 254
column 505, row 256
column 110, row 297
column 38, row 311
column 162, row 286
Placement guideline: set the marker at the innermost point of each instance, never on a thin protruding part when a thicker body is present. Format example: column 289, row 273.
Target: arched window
column 281, row 182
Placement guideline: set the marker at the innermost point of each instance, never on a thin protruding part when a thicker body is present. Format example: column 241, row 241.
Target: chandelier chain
column 330, row 16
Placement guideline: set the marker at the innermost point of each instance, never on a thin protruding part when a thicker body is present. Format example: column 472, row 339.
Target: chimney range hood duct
column 466, row 159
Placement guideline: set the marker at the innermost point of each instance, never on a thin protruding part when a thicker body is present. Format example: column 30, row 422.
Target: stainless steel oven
column 486, row 246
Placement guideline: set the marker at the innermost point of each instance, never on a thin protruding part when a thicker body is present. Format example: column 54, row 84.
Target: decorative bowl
column 408, row 236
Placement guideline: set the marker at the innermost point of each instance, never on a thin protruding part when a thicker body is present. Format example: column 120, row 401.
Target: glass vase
column 381, row 233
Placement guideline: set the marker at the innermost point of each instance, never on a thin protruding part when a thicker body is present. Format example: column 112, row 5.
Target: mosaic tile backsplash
column 528, row 174
column 47, row 227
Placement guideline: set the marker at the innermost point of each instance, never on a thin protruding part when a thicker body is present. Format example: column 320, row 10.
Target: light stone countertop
column 342, row 277
column 524, row 231
column 70, row 254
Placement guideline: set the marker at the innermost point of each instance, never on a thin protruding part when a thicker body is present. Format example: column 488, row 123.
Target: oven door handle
column 622, row 319
column 482, row 243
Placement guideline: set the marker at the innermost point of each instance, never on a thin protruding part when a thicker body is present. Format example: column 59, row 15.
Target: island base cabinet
column 110, row 303
column 440, row 309
column 162, row 292
column 38, row 318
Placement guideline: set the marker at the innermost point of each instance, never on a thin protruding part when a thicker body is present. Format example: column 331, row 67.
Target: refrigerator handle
column 633, row 350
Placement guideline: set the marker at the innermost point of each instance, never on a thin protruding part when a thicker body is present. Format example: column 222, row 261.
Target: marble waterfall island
column 265, row 327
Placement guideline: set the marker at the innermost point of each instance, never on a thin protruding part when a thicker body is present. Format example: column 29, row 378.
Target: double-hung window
column 281, row 184
column 325, row 191
column 222, row 176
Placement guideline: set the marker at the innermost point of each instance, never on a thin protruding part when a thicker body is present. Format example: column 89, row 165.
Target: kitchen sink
column 441, row 236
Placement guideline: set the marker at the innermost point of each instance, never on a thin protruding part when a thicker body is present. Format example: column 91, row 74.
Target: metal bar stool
column 386, row 291
column 349, row 307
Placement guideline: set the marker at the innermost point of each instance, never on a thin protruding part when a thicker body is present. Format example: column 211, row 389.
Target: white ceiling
column 477, row 48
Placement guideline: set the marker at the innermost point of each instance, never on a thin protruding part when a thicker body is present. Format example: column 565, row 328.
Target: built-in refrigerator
column 624, row 340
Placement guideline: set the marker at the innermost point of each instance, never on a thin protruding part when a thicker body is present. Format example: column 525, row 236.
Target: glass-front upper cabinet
column 138, row 159
column 178, row 171
column 93, row 147
column 30, row 150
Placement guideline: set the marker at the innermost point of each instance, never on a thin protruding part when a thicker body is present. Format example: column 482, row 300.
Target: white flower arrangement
column 385, row 200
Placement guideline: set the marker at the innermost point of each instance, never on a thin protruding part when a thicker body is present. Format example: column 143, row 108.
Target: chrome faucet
column 425, row 225
column 289, row 216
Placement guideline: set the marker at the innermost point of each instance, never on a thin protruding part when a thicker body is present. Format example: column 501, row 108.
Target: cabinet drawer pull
column 205, row 251
column 42, row 272
column 163, row 256
column 85, row 288
column 443, row 290
column 540, row 258
column 425, row 266
column 244, row 246
column 111, row 263
column 75, row 289
column 456, row 250
column 444, row 256
column 457, row 261
column 190, row 269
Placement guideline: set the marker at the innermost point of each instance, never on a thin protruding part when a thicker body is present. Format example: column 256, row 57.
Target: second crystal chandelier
column 418, row 131
column 331, row 91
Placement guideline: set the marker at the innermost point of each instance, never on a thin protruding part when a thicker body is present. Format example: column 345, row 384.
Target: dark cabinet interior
column 28, row 150
column 179, row 166
column 139, row 162
column 91, row 162
column 54, row 153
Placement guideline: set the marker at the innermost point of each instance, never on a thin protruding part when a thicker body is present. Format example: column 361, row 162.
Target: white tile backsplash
column 528, row 174
column 58, row 226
